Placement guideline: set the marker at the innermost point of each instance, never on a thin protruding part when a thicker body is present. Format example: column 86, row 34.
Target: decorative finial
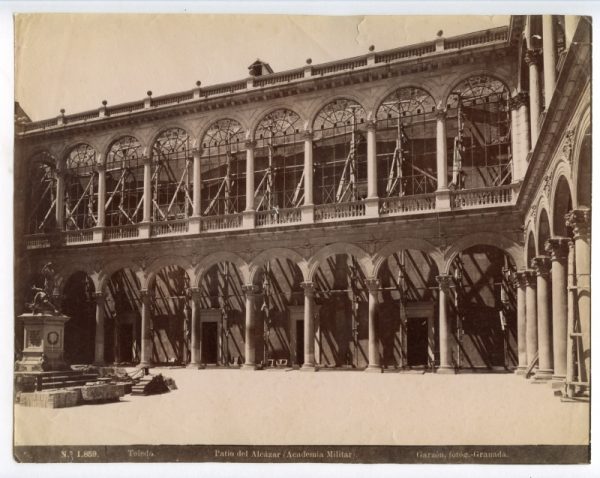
column 440, row 33
column 372, row 48
column 62, row 111
column 149, row 93
column 308, row 61
column 104, row 102
column 198, row 83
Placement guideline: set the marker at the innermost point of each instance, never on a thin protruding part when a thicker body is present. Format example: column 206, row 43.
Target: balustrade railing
column 276, row 217
column 221, row 223
column 76, row 237
column 405, row 52
column 407, row 204
column 166, row 228
column 331, row 212
column 115, row 233
column 37, row 241
column 482, row 197
column 278, row 78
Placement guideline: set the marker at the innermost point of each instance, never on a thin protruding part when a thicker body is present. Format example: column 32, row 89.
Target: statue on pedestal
column 42, row 300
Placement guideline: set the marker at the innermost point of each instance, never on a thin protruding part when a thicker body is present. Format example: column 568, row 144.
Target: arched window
column 124, row 182
column 42, row 194
column 406, row 144
column 479, row 123
column 172, row 176
column 223, row 169
column 81, row 188
column 279, row 162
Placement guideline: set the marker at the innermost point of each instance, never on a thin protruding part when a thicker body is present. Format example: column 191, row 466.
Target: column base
column 198, row 366
column 521, row 370
column 248, row 366
column 374, row 369
column 306, row 367
column 372, row 207
column 248, row 219
column 144, row 230
column 543, row 375
column 307, row 212
column 445, row 370
column 442, row 200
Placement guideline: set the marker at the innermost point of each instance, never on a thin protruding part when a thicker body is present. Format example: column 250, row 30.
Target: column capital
column 529, row 277
column 196, row 152
column 371, row 125
column 520, row 99
column 441, row 113
column 307, row 135
column 579, row 220
column 558, row 248
column 309, row 288
column 101, row 167
column 100, row 297
column 250, row 144
column 147, row 160
column 145, row 294
column 541, row 265
column 250, row 290
column 533, row 57
column 444, row 281
column 373, row 284
column 520, row 278
column 194, row 293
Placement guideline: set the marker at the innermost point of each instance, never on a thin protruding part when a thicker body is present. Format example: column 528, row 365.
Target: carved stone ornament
column 567, row 147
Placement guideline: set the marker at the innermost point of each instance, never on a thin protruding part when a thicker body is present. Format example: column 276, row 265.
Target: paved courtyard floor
column 324, row 408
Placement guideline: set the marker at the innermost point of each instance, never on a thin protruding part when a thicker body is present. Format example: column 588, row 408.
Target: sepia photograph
column 286, row 238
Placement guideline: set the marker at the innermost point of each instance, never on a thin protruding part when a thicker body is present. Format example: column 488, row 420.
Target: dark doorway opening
column 125, row 342
column 209, row 343
column 416, row 342
column 299, row 342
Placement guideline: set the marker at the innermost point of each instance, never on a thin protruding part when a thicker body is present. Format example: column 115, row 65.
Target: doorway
column 417, row 342
column 210, row 343
column 300, row 342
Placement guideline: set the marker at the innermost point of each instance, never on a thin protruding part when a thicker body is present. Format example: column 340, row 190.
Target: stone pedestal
column 43, row 342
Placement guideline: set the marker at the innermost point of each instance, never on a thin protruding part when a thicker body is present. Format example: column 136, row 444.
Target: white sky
column 74, row 61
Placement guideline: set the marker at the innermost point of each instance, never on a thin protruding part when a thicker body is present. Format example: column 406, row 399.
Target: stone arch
column 508, row 245
column 232, row 116
column 543, row 230
column 212, row 259
column 107, row 145
column 165, row 261
column 318, row 106
column 380, row 99
column 167, row 126
column 259, row 116
column 529, row 250
column 561, row 200
column 67, row 270
column 495, row 75
column 115, row 265
column 280, row 252
column 76, row 142
column 340, row 248
column 381, row 256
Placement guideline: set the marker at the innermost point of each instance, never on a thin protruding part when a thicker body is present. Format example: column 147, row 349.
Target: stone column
column 101, row 168
column 571, row 22
column 541, row 264
column 146, row 332
column 515, row 140
column 251, row 292
column 444, row 282
column 524, row 130
column 147, row 189
column 197, row 183
column 520, row 286
column 60, row 198
column 308, row 168
column 558, row 249
column 532, row 58
column 441, row 150
column 248, row 216
column 196, row 332
column 309, row 326
column 99, row 337
column 372, row 201
column 374, row 357
column 579, row 221
column 549, row 44
column 531, row 313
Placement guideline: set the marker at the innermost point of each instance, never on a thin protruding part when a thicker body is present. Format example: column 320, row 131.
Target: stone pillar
column 531, row 313
column 541, row 264
column 248, row 216
column 146, row 332
column 444, row 282
column 558, row 249
column 374, row 356
column 101, row 168
column 308, row 169
column 515, row 140
column 571, row 22
column 579, row 221
column 372, row 201
column 60, row 198
column 309, row 326
column 520, row 286
column 196, row 332
column 147, row 189
column 549, row 48
column 99, row 337
column 441, row 150
column 532, row 58
column 197, row 183
column 250, row 292
column 524, row 130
